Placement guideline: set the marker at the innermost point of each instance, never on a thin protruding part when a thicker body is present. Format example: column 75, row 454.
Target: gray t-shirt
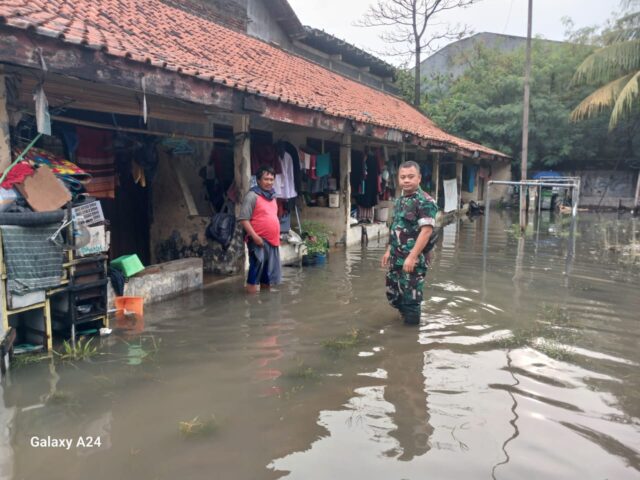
column 248, row 204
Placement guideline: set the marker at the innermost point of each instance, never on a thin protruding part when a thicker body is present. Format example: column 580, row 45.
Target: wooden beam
column 105, row 126
column 435, row 176
column 344, row 184
column 241, row 155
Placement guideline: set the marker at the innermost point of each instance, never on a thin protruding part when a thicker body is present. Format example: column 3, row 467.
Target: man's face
column 266, row 181
column 409, row 179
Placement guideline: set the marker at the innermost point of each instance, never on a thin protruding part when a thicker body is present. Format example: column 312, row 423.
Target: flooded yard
column 526, row 370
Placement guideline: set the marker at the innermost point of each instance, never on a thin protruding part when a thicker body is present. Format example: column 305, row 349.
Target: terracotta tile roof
column 167, row 37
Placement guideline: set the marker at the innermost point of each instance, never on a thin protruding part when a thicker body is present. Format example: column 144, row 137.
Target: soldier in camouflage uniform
column 413, row 222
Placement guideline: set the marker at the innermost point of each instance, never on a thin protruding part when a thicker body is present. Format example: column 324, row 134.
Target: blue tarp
column 548, row 173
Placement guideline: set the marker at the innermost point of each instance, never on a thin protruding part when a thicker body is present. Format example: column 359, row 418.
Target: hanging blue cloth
column 472, row 177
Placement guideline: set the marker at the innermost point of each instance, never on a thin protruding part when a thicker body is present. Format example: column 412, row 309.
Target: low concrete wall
column 374, row 231
column 159, row 282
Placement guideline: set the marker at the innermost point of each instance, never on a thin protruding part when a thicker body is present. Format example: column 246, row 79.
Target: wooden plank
column 104, row 126
column 186, row 191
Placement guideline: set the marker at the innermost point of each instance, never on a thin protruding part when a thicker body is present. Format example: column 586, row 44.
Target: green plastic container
column 128, row 264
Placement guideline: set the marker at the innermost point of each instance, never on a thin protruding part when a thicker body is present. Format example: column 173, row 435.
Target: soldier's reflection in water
column 406, row 390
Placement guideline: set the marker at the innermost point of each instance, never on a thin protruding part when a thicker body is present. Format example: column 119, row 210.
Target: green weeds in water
column 198, row 428
column 548, row 335
column 345, row 342
column 303, row 372
column 82, row 350
column 514, row 230
column 554, row 349
column 25, row 359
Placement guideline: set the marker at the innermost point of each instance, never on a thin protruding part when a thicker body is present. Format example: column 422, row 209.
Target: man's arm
column 246, row 212
column 257, row 239
column 421, row 242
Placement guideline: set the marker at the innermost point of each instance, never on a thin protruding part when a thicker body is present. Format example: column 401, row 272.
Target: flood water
column 529, row 370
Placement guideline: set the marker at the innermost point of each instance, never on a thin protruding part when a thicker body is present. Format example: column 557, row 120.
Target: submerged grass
column 345, row 342
column 548, row 335
column 82, row 350
column 25, row 359
column 198, row 428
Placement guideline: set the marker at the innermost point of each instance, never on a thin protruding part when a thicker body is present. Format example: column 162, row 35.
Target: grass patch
column 548, row 335
column 553, row 349
column 198, row 428
column 514, row 230
column 83, row 350
column 25, row 359
column 345, row 342
column 303, row 372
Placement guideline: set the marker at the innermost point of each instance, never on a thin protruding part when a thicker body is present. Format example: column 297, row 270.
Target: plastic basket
column 88, row 213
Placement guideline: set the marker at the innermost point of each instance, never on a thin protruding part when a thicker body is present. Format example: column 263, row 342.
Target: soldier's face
column 409, row 179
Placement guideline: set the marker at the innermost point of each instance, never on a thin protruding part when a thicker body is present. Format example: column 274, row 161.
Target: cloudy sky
column 499, row 16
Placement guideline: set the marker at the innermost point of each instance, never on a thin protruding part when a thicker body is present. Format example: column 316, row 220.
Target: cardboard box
column 43, row 191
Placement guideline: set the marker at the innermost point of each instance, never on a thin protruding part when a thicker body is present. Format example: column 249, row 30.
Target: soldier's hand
column 385, row 259
column 409, row 264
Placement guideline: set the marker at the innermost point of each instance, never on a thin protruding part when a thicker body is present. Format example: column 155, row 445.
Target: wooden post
column 241, row 155
column 344, row 183
column 435, row 176
column 459, row 166
column 5, row 141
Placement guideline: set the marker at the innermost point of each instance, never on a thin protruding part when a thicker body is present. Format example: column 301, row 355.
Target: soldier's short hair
column 410, row 164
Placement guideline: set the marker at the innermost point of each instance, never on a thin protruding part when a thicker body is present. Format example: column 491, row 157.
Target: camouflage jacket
column 410, row 214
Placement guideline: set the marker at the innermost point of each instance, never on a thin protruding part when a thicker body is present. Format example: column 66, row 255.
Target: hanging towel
column 33, row 261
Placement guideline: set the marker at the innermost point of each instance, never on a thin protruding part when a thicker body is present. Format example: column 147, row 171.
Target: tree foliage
column 615, row 68
column 485, row 105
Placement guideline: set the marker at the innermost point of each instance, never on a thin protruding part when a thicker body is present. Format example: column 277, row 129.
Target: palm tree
column 618, row 64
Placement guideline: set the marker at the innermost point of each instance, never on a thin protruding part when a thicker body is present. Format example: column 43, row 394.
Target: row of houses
column 210, row 87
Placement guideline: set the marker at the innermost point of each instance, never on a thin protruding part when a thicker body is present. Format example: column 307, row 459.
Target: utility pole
column 525, row 126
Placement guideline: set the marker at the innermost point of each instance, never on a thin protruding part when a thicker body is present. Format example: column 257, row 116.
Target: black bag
column 222, row 228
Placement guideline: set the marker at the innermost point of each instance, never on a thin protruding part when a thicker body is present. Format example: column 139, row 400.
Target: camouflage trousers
column 405, row 292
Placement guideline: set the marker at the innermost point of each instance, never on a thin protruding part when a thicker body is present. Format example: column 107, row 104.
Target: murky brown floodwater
column 527, row 372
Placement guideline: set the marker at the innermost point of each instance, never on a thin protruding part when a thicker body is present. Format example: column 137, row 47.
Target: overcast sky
column 497, row 16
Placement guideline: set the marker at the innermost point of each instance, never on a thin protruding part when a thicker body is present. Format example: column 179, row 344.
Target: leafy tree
column 485, row 105
column 617, row 65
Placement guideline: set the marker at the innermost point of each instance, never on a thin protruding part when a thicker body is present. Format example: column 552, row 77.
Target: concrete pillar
column 241, row 155
column 533, row 198
column 5, row 141
column 459, row 166
column 241, row 171
column 436, row 176
column 344, row 183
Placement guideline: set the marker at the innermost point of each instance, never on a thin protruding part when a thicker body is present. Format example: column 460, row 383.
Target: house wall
column 175, row 232
column 262, row 25
column 500, row 170
column 606, row 188
column 229, row 13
